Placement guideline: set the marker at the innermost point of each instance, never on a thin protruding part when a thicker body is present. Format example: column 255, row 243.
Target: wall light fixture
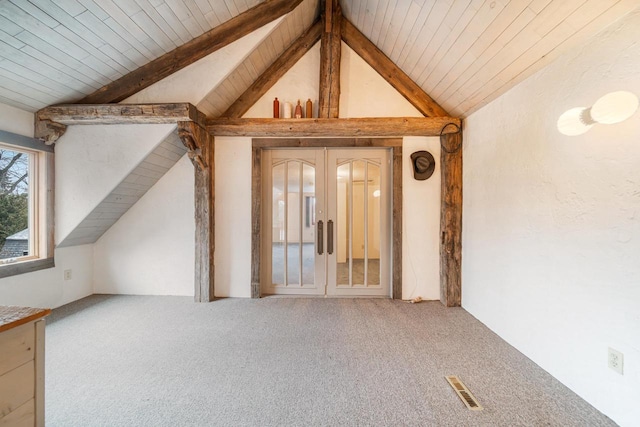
column 614, row 107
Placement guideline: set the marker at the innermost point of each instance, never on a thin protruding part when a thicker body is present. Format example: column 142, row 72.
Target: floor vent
column 464, row 393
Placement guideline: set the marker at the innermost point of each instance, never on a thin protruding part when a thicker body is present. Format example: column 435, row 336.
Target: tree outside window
column 14, row 203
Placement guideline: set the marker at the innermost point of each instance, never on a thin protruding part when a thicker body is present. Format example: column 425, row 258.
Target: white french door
column 326, row 222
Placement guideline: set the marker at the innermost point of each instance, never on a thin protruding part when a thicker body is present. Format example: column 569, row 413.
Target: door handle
column 330, row 237
column 320, row 234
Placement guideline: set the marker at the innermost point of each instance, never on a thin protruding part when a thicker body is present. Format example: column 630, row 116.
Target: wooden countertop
column 12, row 316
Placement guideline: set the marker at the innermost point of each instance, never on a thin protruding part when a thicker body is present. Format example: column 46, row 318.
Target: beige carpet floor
column 166, row 361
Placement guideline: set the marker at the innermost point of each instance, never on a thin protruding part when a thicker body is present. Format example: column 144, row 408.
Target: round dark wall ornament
column 423, row 165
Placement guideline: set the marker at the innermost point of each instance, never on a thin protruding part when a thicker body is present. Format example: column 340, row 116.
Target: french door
column 326, row 222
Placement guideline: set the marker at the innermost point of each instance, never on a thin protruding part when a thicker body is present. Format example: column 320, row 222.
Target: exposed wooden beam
column 451, row 219
column 278, row 69
column 330, row 52
column 202, row 154
column 203, row 45
column 103, row 114
column 370, row 126
column 396, row 221
column 389, row 71
column 47, row 131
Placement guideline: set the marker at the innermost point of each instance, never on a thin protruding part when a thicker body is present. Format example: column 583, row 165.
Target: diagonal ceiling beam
column 390, row 71
column 275, row 71
column 190, row 52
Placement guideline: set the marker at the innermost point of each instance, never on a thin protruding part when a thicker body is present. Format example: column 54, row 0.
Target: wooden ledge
column 356, row 127
column 107, row 114
column 51, row 122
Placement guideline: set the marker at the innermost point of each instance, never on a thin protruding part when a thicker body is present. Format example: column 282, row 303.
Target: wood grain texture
column 16, row 387
column 330, row 53
column 369, row 126
column 190, row 52
column 17, row 347
column 275, row 71
column 396, row 279
column 202, row 154
column 23, row 416
column 50, row 184
column 390, row 72
column 451, row 220
column 326, row 142
column 103, row 114
column 256, row 219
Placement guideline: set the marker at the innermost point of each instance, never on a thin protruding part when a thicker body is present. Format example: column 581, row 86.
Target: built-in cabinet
column 22, row 366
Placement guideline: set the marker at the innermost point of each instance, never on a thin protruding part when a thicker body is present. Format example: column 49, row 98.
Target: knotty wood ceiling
column 464, row 53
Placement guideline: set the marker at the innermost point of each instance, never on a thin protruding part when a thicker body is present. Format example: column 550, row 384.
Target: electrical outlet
column 616, row 360
column 67, row 275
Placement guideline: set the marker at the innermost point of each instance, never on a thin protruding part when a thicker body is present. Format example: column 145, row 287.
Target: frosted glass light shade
column 570, row 123
column 614, row 107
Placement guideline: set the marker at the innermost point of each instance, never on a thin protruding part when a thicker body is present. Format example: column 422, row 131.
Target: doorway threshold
column 326, row 296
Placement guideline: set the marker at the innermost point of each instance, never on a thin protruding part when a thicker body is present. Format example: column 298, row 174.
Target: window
column 26, row 239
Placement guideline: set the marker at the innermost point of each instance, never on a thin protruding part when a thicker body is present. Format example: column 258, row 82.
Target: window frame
column 41, row 205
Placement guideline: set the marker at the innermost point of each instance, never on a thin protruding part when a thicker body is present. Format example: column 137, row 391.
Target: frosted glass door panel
column 360, row 180
column 291, row 190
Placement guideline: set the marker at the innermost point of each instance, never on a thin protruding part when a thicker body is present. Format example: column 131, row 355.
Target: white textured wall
column 301, row 82
column 551, row 224
column 46, row 288
column 150, row 250
column 421, row 223
column 15, row 120
column 233, row 217
column 92, row 160
column 363, row 94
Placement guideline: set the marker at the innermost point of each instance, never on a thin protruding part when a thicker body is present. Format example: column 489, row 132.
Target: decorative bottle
column 287, row 110
column 276, row 109
column 298, row 110
column 309, row 110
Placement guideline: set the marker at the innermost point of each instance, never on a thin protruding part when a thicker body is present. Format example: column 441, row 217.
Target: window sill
column 26, row 267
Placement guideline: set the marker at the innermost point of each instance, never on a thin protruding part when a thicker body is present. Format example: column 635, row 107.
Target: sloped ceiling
column 464, row 53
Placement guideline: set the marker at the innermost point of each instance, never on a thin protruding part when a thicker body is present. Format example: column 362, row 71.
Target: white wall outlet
column 67, row 275
column 616, row 360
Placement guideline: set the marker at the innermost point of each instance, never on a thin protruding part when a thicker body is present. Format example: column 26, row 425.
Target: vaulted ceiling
column 464, row 53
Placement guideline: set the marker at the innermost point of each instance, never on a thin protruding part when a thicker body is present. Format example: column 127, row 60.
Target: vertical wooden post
column 396, row 279
column 451, row 219
column 201, row 152
column 330, row 52
column 256, row 218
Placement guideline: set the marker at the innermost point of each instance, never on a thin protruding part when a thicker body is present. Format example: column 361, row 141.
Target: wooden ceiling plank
column 547, row 51
column 390, row 72
column 275, row 72
column 481, row 43
column 192, row 51
column 330, row 53
column 357, row 127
